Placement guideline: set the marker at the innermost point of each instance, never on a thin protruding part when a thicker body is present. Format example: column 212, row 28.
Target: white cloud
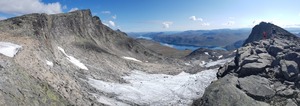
column 73, row 9
column 105, row 24
column 105, row 12
column 167, row 24
column 194, row 18
column 257, row 21
column 274, row 21
column 111, row 23
column 18, row 7
column 229, row 23
column 293, row 26
column 205, row 24
column 231, row 18
column 114, row 17
column 65, row 7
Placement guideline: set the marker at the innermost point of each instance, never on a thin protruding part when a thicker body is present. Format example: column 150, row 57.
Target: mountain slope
column 58, row 54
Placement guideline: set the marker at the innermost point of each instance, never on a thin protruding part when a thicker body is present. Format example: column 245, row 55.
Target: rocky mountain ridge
column 57, row 55
column 264, row 72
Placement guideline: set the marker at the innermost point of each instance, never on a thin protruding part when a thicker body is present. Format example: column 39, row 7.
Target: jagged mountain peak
column 258, row 30
column 74, row 28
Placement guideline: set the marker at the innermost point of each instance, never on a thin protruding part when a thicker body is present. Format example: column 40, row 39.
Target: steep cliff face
column 264, row 72
column 57, row 54
column 77, row 28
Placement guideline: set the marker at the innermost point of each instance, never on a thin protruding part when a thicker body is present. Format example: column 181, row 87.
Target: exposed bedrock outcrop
column 264, row 72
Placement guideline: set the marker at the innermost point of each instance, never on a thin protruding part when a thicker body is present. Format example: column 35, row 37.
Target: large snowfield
column 156, row 89
column 9, row 49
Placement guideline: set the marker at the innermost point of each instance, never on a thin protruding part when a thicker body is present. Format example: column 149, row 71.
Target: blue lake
column 184, row 47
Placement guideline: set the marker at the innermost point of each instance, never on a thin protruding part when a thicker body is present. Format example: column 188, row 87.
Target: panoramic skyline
column 168, row 15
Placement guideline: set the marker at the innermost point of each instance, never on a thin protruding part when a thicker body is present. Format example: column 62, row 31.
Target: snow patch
column 131, row 58
column 187, row 64
column 206, row 53
column 158, row 89
column 218, row 62
column 73, row 59
column 220, row 56
column 143, row 37
column 202, row 64
column 49, row 63
column 9, row 49
column 168, row 45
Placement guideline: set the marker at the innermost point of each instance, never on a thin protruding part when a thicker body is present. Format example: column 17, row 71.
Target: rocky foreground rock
column 264, row 72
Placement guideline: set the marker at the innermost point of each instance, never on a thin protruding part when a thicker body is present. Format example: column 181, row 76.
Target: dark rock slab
column 260, row 50
column 274, row 50
column 253, row 68
column 224, row 92
column 224, row 70
column 289, row 69
column 257, row 87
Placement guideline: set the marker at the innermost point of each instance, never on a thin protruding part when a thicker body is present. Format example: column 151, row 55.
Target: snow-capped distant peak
column 131, row 58
column 9, row 49
column 73, row 59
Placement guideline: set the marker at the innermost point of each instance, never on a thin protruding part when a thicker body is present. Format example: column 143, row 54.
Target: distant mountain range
column 228, row 39
column 208, row 38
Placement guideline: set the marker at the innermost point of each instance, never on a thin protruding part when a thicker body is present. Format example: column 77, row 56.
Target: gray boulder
column 256, row 87
column 290, row 102
column 253, row 68
column 289, row 69
column 292, row 56
column 287, row 93
column 273, row 50
column 241, row 54
column 260, row 50
column 224, row 92
column 227, row 68
column 248, row 60
column 265, row 56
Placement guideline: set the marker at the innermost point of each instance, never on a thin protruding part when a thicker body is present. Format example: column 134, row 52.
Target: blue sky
column 168, row 15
